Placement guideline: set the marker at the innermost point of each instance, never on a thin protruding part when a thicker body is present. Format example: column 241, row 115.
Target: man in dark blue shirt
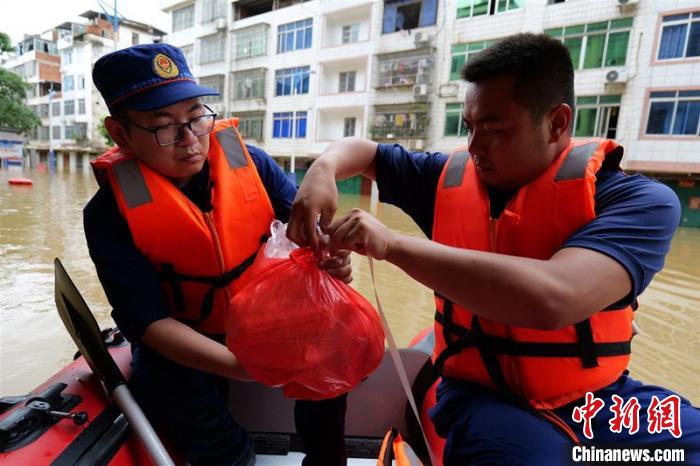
column 518, row 113
column 179, row 374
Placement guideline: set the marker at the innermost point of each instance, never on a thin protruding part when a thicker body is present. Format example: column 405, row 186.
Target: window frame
column 291, row 30
column 186, row 23
column 298, row 78
column 597, row 103
column 450, row 109
column 347, row 120
column 492, row 8
column 584, row 31
column 693, row 17
column 286, row 118
column 217, row 40
column 344, row 85
column 258, row 77
column 351, row 27
column 256, row 37
column 650, row 100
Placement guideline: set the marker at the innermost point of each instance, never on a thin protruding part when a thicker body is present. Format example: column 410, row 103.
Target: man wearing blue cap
column 182, row 207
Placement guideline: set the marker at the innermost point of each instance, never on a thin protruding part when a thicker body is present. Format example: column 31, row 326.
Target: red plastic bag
column 295, row 325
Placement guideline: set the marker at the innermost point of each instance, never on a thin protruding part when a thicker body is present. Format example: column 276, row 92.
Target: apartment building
column 77, row 113
column 37, row 61
column 58, row 66
column 301, row 74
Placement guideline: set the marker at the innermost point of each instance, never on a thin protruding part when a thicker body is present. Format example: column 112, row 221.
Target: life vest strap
column 175, row 279
column 500, row 345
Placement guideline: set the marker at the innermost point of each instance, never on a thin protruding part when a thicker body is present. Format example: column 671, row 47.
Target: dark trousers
column 190, row 406
column 483, row 428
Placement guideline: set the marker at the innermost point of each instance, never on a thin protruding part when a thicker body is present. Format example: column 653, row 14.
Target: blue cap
column 146, row 77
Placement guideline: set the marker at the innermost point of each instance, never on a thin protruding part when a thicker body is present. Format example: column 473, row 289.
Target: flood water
column 45, row 221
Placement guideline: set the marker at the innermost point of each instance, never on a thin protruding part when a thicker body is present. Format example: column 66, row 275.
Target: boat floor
column 294, row 459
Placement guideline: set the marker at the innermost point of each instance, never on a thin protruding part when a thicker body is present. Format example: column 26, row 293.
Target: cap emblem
column 164, row 66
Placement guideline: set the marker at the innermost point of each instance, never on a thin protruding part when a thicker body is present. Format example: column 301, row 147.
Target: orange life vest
column 200, row 256
column 546, row 368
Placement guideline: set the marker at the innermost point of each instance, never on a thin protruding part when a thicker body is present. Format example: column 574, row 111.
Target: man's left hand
column 338, row 265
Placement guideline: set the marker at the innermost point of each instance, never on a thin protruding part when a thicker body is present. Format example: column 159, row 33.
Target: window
column 251, row 42
column 469, row 8
column 31, row 91
column 81, row 106
column 400, row 122
column 69, row 132
column 56, row 132
column 674, row 113
column 134, row 38
column 351, row 33
column 597, row 116
column 346, row 81
column 552, row 2
column 56, row 109
column 66, row 57
column 212, row 49
column 25, row 70
column 213, row 9
column 80, row 81
column 188, row 52
column 43, row 110
column 408, row 14
column 282, row 125
column 42, row 133
column 680, row 36
column 404, row 71
column 249, row 84
column 462, row 53
column 349, row 127
column 68, row 83
column 183, row 18
column 251, row 125
column 596, row 45
column 80, row 131
column 69, row 107
column 294, row 36
column 454, row 124
column 216, row 83
column 292, row 81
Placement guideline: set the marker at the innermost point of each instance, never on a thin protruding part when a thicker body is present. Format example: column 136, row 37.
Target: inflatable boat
column 85, row 415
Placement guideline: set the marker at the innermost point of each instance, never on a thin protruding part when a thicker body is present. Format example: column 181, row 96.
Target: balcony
column 404, row 70
column 402, row 124
column 250, row 42
column 250, row 125
column 247, row 91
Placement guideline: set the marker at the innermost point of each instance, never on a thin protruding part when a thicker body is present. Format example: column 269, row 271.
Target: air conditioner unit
column 421, row 39
column 627, row 5
column 420, row 90
column 220, row 23
column 616, row 76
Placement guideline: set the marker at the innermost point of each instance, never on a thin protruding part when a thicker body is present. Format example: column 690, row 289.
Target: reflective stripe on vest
column 546, row 369
column 201, row 257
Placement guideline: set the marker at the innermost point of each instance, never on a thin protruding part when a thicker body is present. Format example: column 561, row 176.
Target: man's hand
column 338, row 265
column 361, row 232
column 317, row 195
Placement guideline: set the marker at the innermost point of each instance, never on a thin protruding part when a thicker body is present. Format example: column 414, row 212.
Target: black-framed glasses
column 174, row 132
